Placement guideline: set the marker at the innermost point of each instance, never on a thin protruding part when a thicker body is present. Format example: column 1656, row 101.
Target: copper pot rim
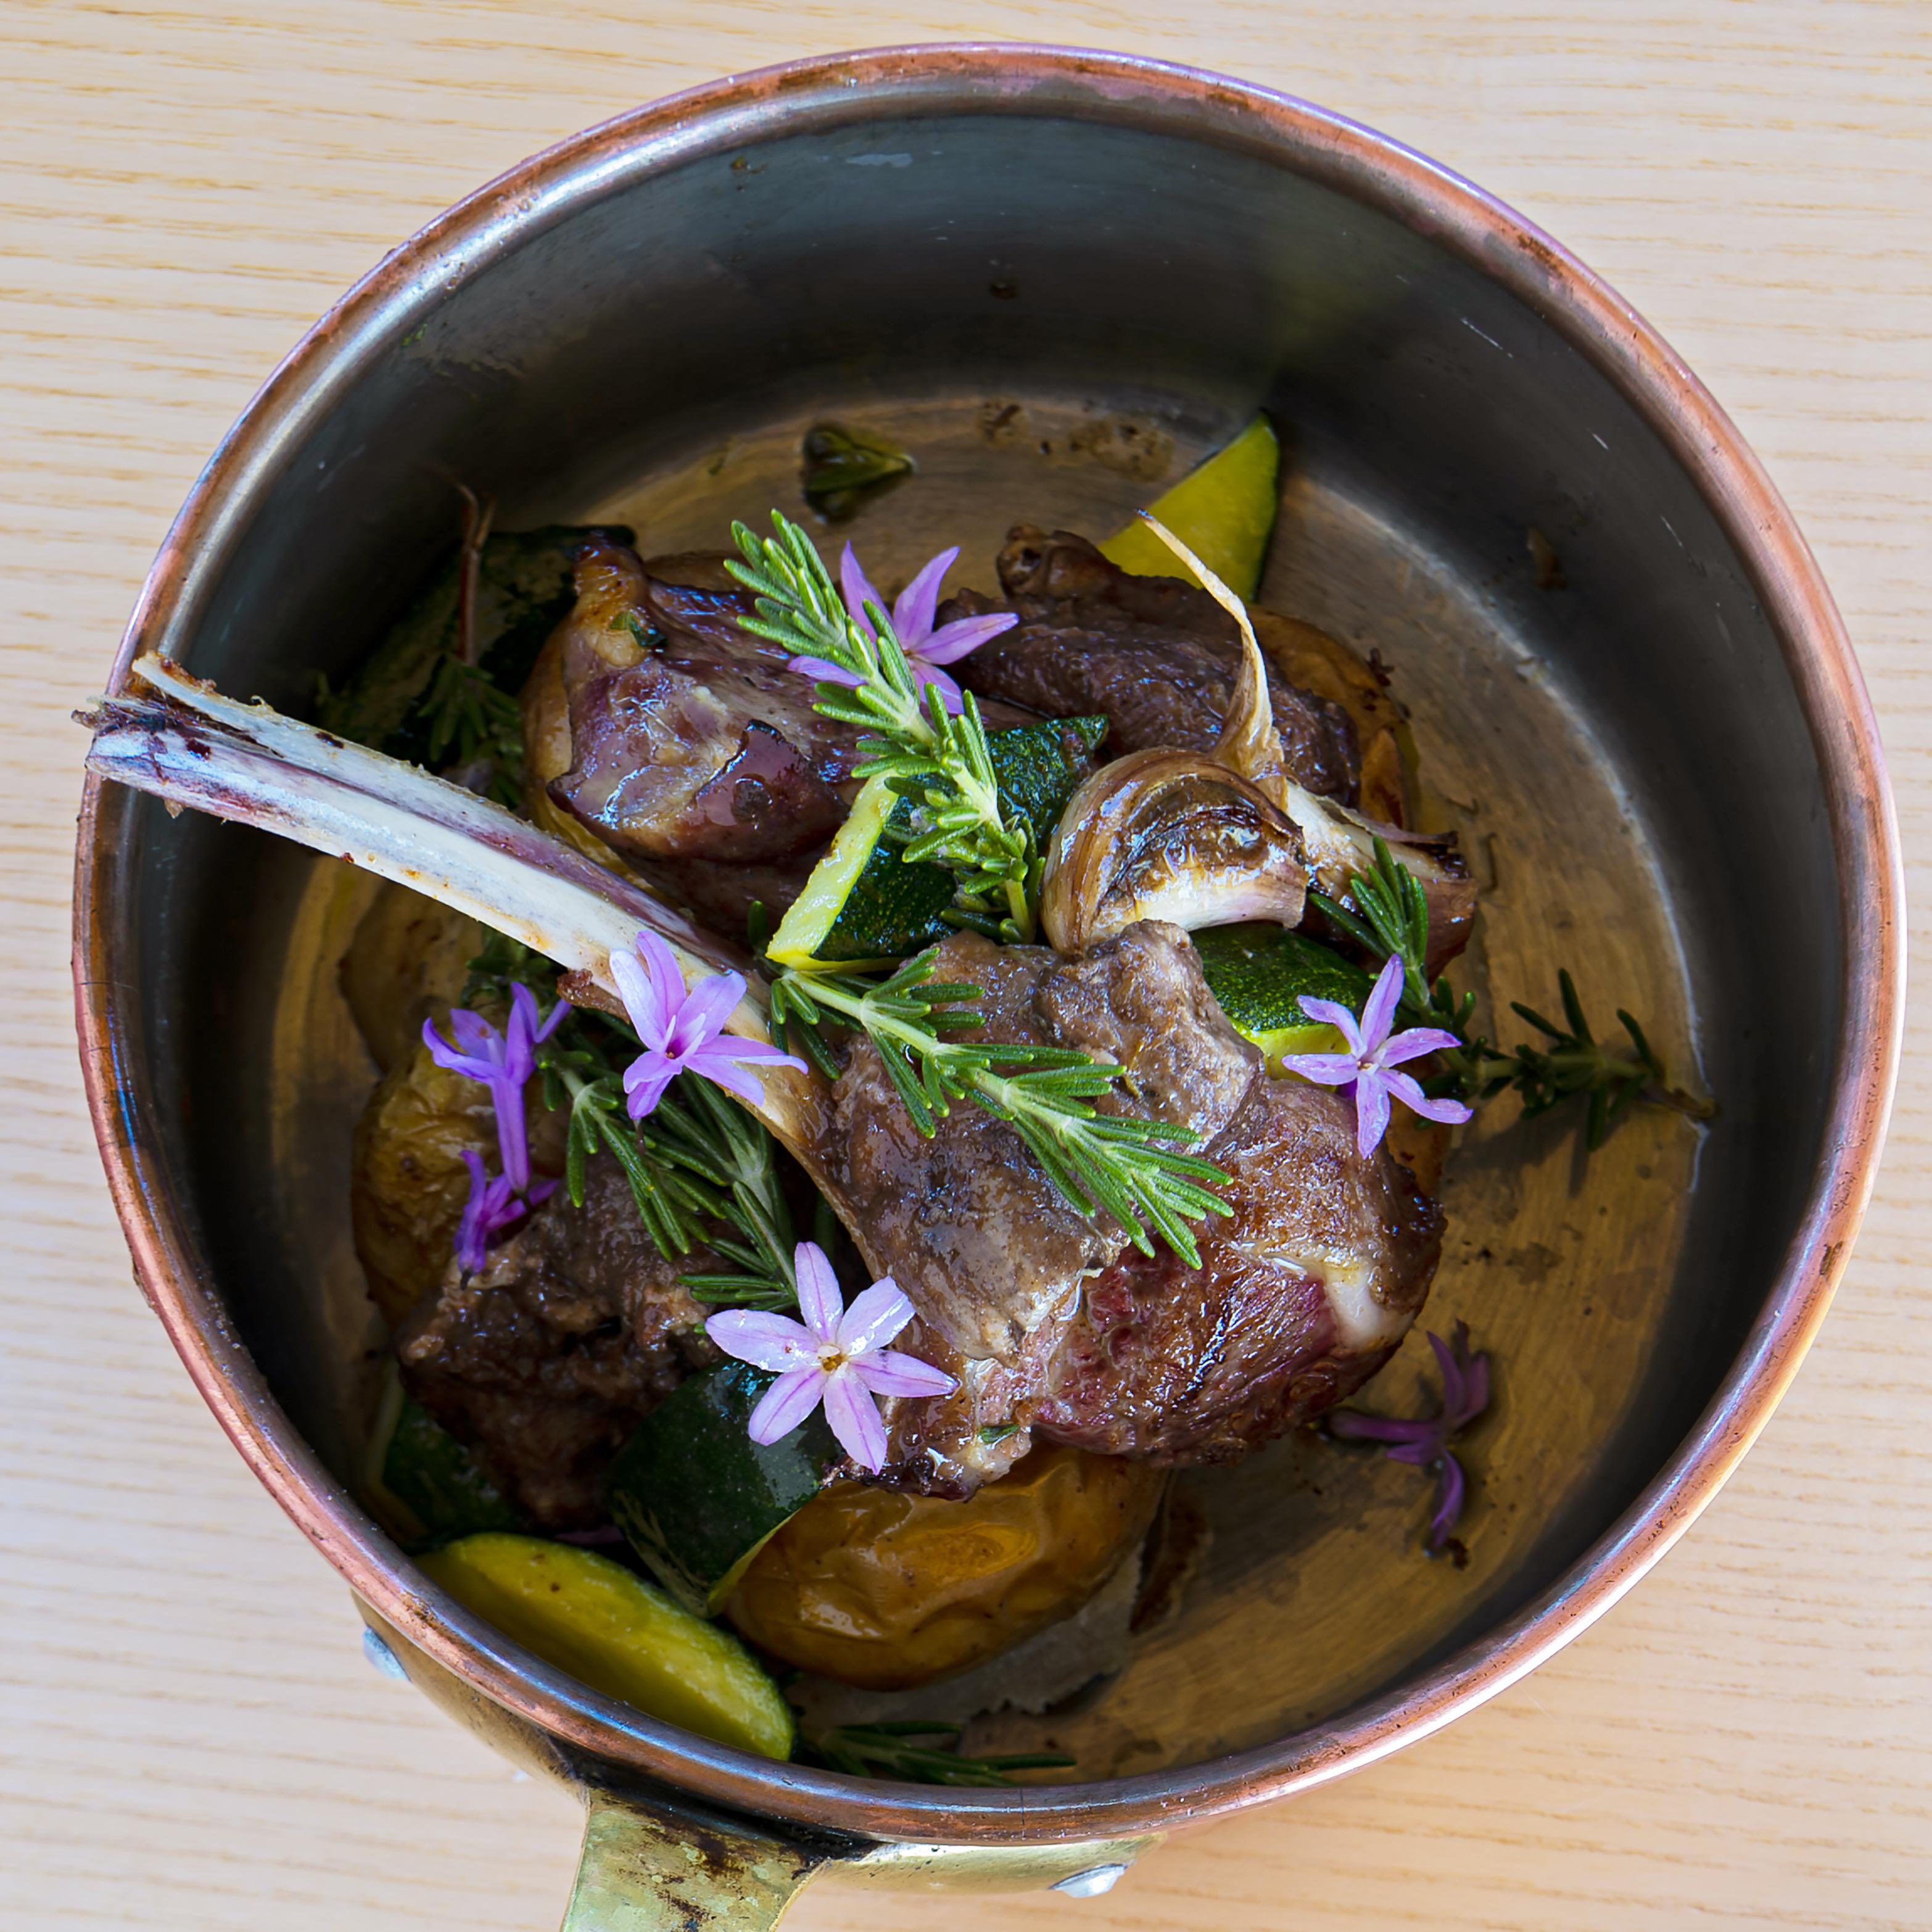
column 1022, row 80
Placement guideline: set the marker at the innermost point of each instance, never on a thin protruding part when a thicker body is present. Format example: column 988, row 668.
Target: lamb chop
column 681, row 742
column 1052, row 1322
column 546, row 1359
column 1047, row 1317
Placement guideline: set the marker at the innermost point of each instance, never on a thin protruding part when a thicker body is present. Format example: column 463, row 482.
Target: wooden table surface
column 189, row 1736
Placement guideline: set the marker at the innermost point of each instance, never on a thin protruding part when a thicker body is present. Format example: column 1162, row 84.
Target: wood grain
column 188, row 1735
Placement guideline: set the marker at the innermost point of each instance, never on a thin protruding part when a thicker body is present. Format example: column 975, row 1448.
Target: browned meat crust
column 693, row 742
column 1178, row 1366
column 545, row 1360
column 1054, row 1324
column 1156, row 656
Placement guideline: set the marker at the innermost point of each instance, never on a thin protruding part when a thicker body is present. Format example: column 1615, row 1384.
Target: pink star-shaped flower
column 503, row 1062
column 1367, row 1069
column 682, row 1029
column 926, row 648
column 834, row 1354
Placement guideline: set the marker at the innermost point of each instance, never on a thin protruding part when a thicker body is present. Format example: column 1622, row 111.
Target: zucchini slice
column 863, row 905
column 1224, row 511
column 1259, row 972
column 618, row 1634
column 698, row 1498
column 438, row 1481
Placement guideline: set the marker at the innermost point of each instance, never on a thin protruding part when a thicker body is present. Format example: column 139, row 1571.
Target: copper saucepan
column 1057, row 277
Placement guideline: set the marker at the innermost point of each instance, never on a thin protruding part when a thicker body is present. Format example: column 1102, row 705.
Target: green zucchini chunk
column 864, row 905
column 698, row 1498
column 611, row 1630
column 1259, row 972
column 437, row 1481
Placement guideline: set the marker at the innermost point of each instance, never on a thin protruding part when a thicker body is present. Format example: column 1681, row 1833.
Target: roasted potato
column 409, row 953
column 888, row 1592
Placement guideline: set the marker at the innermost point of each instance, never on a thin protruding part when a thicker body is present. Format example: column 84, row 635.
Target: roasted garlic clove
column 1168, row 834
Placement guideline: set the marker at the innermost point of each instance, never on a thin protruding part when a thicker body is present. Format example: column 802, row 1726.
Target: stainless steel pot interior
column 1059, row 277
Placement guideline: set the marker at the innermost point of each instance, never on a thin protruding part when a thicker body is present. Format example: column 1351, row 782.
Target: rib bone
column 191, row 746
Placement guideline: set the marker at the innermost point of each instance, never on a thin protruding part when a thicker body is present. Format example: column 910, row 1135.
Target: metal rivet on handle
column 1091, row 1882
column 386, row 1660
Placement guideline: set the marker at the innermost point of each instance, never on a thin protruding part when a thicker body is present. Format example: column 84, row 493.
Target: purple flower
column 926, row 648
column 504, row 1063
column 1367, row 1069
column 1425, row 1441
column 493, row 1206
column 683, row 1030
column 836, row 1355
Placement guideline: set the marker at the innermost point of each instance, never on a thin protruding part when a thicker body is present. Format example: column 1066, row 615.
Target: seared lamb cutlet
column 1045, row 1317
column 681, row 742
column 1157, row 656
column 547, row 1358
column 1052, row 1321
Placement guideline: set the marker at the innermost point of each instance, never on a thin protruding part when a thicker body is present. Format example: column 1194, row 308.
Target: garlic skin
column 1168, row 834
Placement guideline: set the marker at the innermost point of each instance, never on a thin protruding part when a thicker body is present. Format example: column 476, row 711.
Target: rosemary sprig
column 1097, row 1161
column 698, row 1160
column 892, row 1749
column 1391, row 920
column 698, row 1133
column 465, row 717
column 940, row 761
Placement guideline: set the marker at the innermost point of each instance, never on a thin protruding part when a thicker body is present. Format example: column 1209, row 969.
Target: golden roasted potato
column 409, row 953
column 408, row 1183
column 888, row 1592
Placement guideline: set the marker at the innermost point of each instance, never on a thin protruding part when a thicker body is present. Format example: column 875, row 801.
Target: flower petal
column 1338, row 1017
column 875, row 1318
column 819, row 1303
column 1378, row 1009
column 1372, row 1113
column 701, row 1018
column 645, row 1080
column 650, row 999
column 470, row 1239
column 787, row 1403
column 951, row 642
column 825, row 671
column 854, row 1418
column 1450, row 1113
column 724, row 1062
column 1449, row 1502
column 767, row 1341
column 1325, row 1070
column 892, row 1372
column 1451, row 1372
column 912, row 611
column 859, row 591
column 1415, row 1043
column 1354, row 1427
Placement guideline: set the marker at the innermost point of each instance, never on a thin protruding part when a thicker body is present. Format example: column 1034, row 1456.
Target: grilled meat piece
column 682, row 743
column 547, row 1358
column 1301, row 1296
column 689, row 738
column 1054, row 1323
column 1155, row 655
